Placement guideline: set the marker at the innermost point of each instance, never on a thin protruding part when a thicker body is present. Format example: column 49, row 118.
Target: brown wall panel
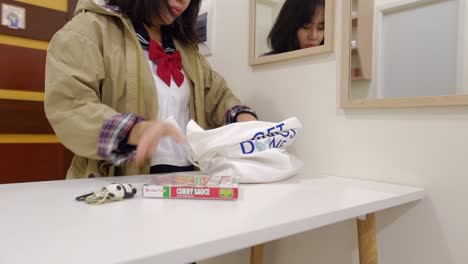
column 71, row 8
column 32, row 162
column 41, row 23
column 23, row 117
column 22, row 68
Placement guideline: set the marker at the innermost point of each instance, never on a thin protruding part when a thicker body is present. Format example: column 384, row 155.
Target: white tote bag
column 255, row 151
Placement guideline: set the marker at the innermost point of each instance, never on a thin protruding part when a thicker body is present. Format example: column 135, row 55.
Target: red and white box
column 192, row 187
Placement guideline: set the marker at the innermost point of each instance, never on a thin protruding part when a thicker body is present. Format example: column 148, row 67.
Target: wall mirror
column 286, row 29
column 404, row 53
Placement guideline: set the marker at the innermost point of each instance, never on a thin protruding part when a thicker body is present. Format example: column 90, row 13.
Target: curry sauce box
column 192, row 187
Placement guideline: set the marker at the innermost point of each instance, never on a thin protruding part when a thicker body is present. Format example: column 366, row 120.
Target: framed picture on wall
column 205, row 27
column 13, row 17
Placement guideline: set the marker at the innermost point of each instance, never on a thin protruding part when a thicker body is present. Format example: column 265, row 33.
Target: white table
column 42, row 223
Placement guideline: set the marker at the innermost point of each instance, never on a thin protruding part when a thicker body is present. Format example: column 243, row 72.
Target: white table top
column 42, row 223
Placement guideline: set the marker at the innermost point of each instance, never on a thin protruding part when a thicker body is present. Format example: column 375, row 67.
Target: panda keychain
column 112, row 192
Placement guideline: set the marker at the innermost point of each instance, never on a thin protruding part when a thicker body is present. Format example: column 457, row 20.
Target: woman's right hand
column 146, row 136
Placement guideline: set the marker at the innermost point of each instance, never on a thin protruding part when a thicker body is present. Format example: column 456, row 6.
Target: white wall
column 263, row 22
column 422, row 147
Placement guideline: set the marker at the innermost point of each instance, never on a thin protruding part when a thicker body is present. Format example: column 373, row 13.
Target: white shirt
column 173, row 101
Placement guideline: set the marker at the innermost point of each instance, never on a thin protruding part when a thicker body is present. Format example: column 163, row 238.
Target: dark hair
column 143, row 11
column 293, row 15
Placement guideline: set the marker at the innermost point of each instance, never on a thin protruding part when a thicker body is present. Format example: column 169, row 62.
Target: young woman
column 117, row 71
column 300, row 24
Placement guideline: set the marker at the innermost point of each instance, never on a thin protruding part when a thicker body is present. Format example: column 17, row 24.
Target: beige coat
column 96, row 69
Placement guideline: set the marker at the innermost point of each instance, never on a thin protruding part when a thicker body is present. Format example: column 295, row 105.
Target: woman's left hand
column 245, row 117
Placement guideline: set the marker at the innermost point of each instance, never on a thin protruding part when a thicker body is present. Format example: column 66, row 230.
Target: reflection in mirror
column 406, row 49
column 289, row 25
column 285, row 26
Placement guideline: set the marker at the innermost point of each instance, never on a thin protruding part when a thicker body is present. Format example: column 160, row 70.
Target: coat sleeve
column 218, row 97
column 74, row 70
